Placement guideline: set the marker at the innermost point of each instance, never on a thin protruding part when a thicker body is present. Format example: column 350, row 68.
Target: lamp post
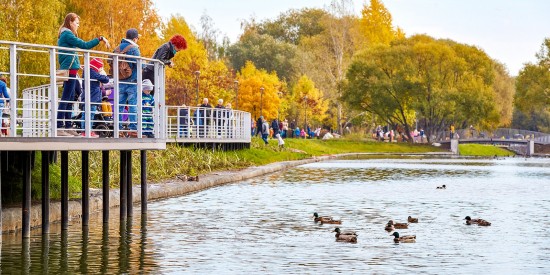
column 305, row 113
column 261, row 101
column 236, row 82
column 279, row 108
column 197, row 74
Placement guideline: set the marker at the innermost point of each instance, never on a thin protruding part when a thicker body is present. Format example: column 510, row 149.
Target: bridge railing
column 33, row 110
column 500, row 133
column 198, row 124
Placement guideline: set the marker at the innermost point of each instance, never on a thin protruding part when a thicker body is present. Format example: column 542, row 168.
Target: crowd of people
column 101, row 89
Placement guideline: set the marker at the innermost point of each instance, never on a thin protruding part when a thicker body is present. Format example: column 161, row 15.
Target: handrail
column 25, row 103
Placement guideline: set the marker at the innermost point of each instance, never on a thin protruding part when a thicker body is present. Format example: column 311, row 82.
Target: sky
column 510, row 31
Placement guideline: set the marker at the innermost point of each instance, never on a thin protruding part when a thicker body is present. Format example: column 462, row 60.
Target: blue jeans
column 64, row 111
column 128, row 92
column 264, row 137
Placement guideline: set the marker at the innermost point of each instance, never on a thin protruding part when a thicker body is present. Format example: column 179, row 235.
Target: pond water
column 264, row 225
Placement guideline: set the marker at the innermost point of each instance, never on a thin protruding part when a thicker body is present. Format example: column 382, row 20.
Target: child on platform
column 97, row 76
column 148, row 101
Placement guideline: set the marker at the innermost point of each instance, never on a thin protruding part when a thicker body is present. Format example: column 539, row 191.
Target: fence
column 34, row 111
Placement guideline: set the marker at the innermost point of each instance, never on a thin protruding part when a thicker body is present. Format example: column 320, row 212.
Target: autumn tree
column 293, row 25
column 113, row 18
column 30, row 22
column 504, row 87
column 251, row 98
column 376, row 24
column 532, row 98
column 265, row 52
column 308, row 102
column 442, row 81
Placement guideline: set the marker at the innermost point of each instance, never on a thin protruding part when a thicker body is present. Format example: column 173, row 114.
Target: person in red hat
column 97, row 76
column 165, row 53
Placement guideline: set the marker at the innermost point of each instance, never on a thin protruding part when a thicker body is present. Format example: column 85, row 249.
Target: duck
column 442, row 187
column 412, row 220
column 399, row 225
column 325, row 219
column 389, row 227
column 480, row 222
column 350, row 237
column 337, row 230
column 403, row 239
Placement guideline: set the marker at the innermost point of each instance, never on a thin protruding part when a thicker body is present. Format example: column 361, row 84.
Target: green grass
column 482, row 150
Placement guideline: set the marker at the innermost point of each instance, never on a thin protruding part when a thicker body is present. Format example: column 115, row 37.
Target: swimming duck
column 350, row 237
column 412, row 220
column 403, row 239
column 389, row 227
column 325, row 219
column 399, row 225
column 480, row 222
column 337, row 230
column 442, row 187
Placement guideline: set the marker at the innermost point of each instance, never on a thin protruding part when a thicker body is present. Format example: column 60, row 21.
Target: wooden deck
column 79, row 144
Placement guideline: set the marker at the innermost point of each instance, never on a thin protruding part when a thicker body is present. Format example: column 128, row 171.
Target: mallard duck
column 191, row 178
column 403, row 239
column 480, row 222
column 399, row 225
column 337, row 230
column 389, row 227
column 412, row 220
column 325, row 219
column 349, row 237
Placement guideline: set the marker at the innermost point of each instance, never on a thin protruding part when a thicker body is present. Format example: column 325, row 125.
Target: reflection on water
column 264, row 224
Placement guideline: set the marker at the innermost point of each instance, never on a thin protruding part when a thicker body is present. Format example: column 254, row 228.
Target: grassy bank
column 483, row 150
column 166, row 164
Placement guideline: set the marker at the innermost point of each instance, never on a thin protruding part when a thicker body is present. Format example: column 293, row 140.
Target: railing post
column 87, row 100
column 139, row 107
column 13, row 82
column 116, row 98
column 162, row 104
column 52, row 94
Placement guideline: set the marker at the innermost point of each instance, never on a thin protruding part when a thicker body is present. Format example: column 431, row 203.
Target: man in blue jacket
column 128, row 92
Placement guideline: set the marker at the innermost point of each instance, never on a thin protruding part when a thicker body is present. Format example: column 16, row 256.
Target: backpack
column 124, row 68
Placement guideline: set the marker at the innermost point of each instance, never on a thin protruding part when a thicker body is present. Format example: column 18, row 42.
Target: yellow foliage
column 376, row 24
column 251, row 99
column 310, row 99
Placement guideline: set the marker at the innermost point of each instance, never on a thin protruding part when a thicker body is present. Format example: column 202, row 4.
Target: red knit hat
column 96, row 64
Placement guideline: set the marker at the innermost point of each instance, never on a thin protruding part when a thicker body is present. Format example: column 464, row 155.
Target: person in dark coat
column 184, row 121
column 165, row 53
column 275, row 126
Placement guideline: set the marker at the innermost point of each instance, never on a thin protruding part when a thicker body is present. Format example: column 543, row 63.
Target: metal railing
column 500, row 133
column 198, row 124
column 33, row 110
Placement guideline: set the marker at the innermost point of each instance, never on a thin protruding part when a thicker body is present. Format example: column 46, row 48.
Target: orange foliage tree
column 251, row 99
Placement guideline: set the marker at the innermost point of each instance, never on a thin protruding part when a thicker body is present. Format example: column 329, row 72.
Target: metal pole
column 26, row 214
column 64, row 190
column 197, row 74
column 129, row 198
column 85, row 188
column 143, row 181
column 123, row 182
column 261, row 101
column 105, row 181
column 236, row 94
column 45, row 192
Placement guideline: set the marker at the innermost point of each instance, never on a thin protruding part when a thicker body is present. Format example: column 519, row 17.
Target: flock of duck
column 351, row 236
